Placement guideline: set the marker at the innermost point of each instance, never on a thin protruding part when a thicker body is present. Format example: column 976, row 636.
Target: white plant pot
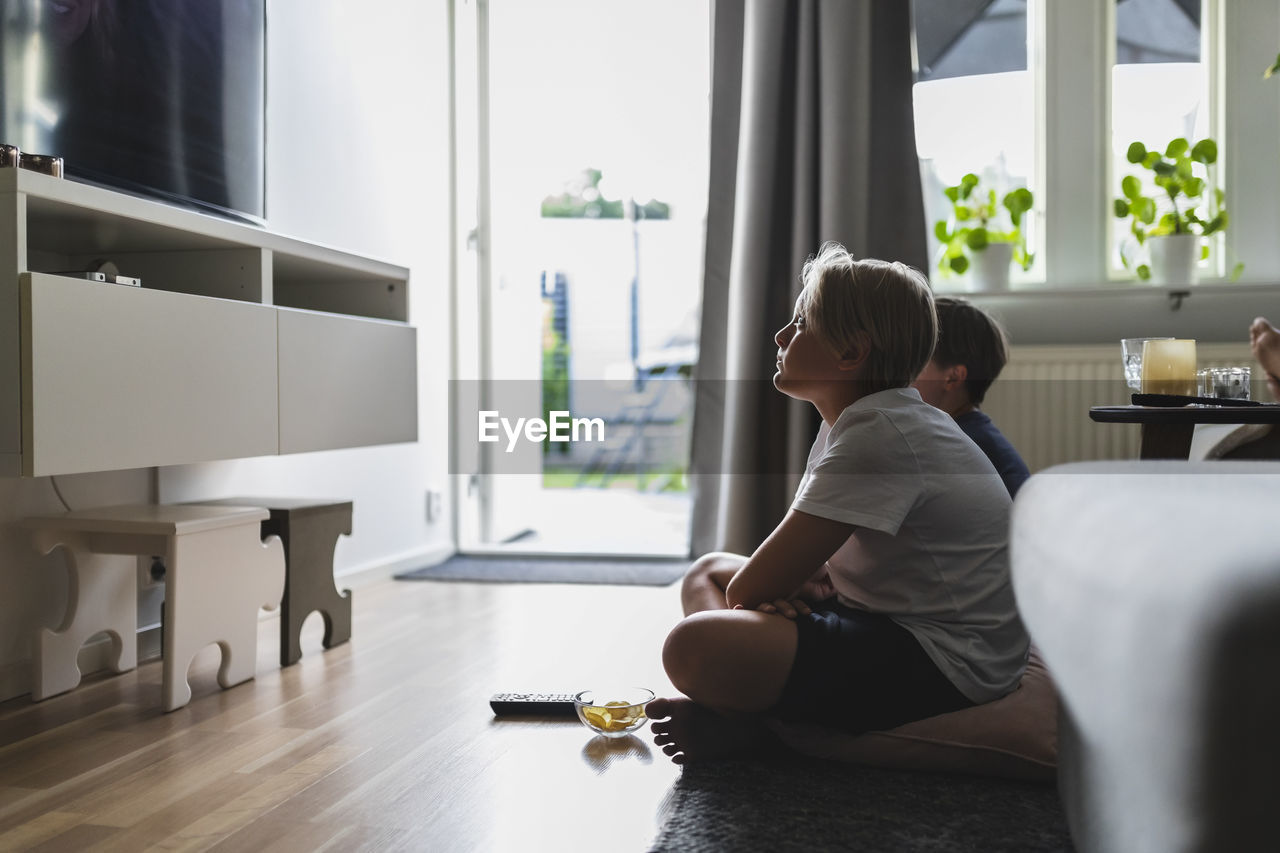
column 1174, row 258
column 990, row 267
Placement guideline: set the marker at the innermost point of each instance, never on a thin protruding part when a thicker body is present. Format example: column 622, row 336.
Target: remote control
column 543, row 704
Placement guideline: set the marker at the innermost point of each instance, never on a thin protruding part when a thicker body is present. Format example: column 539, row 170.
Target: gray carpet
column 558, row 569
column 812, row 806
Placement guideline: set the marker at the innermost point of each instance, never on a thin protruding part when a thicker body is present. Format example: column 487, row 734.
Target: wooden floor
column 384, row 743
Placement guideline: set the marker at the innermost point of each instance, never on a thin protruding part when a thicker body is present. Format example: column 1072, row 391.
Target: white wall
column 357, row 157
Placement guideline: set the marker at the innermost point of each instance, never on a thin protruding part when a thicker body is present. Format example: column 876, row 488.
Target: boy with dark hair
column 972, row 350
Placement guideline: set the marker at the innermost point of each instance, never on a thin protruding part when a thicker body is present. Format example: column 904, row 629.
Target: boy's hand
column 817, row 588
column 789, row 608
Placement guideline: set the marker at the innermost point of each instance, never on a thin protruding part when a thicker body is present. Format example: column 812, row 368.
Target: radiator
column 1041, row 400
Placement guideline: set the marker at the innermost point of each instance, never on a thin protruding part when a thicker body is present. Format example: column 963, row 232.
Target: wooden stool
column 102, row 595
column 310, row 531
column 219, row 573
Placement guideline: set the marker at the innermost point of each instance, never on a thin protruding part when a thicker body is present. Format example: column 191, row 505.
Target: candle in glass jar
column 1169, row 367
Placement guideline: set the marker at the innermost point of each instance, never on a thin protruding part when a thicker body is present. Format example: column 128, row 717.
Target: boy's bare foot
column 687, row 731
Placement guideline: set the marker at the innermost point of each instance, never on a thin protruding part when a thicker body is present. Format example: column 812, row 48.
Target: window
column 1101, row 74
column 1159, row 92
column 974, row 111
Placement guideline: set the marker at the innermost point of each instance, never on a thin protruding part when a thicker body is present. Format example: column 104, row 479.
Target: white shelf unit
column 240, row 342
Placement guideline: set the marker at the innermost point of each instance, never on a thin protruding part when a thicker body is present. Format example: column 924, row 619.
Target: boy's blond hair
column 886, row 305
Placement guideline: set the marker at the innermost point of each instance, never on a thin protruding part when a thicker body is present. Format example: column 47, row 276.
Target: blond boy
column 883, row 595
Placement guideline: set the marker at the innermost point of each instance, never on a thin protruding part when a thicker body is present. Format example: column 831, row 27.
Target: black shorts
column 860, row 672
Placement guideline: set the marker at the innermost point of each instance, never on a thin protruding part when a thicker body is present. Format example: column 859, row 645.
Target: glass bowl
column 613, row 712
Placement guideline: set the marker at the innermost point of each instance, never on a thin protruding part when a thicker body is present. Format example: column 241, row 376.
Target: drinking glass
column 1131, row 348
column 1228, row 383
column 1169, row 367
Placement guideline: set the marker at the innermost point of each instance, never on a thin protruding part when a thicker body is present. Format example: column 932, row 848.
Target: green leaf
column 1204, row 252
column 1145, row 210
column 1177, row 148
column 1136, row 152
column 1218, row 223
column 1206, row 151
column 1193, row 187
column 1239, row 267
column 963, row 213
column 1131, row 187
column 967, row 183
column 940, row 231
column 952, row 193
column 1219, row 196
column 1274, row 69
column 1121, row 208
column 1168, row 223
column 1184, row 169
column 959, row 264
column 1144, row 272
column 978, row 239
column 1164, row 167
column 1151, row 159
column 1018, row 202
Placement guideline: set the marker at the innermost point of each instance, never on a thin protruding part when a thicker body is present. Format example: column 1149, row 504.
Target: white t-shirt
column 930, row 549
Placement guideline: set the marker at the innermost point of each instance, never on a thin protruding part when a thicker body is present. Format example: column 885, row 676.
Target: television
column 161, row 98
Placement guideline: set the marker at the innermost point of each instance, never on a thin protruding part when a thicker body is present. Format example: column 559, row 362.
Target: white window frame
column 1250, row 122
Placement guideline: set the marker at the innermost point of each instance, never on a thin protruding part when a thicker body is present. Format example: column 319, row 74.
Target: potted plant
column 1172, row 222
column 974, row 236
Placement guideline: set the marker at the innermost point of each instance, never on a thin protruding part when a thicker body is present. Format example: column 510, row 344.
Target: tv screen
column 164, row 98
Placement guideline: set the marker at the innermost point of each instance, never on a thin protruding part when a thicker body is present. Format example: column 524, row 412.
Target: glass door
column 582, row 198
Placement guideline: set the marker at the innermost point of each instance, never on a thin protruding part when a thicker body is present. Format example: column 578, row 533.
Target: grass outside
column 658, row 481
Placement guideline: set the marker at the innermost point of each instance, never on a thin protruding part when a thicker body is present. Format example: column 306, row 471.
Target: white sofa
column 1153, row 592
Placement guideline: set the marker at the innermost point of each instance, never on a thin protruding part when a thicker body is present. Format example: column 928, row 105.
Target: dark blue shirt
column 992, row 442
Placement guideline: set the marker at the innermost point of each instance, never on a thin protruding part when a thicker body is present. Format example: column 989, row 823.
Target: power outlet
column 435, row 505
column 151, row 572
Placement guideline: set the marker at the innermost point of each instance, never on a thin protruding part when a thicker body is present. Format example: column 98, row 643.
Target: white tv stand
column 239, row 343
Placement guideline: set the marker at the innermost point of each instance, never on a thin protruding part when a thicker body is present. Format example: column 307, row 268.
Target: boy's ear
column 956, row 374
column 857, row 354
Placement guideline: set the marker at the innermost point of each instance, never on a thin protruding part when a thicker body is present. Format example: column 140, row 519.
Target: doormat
column 552, row 569
column 816, row 806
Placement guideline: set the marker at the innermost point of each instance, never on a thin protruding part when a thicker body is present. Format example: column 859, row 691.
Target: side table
column 1167, row 431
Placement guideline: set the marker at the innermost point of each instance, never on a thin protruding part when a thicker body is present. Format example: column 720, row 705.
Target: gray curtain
column 812, row 139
